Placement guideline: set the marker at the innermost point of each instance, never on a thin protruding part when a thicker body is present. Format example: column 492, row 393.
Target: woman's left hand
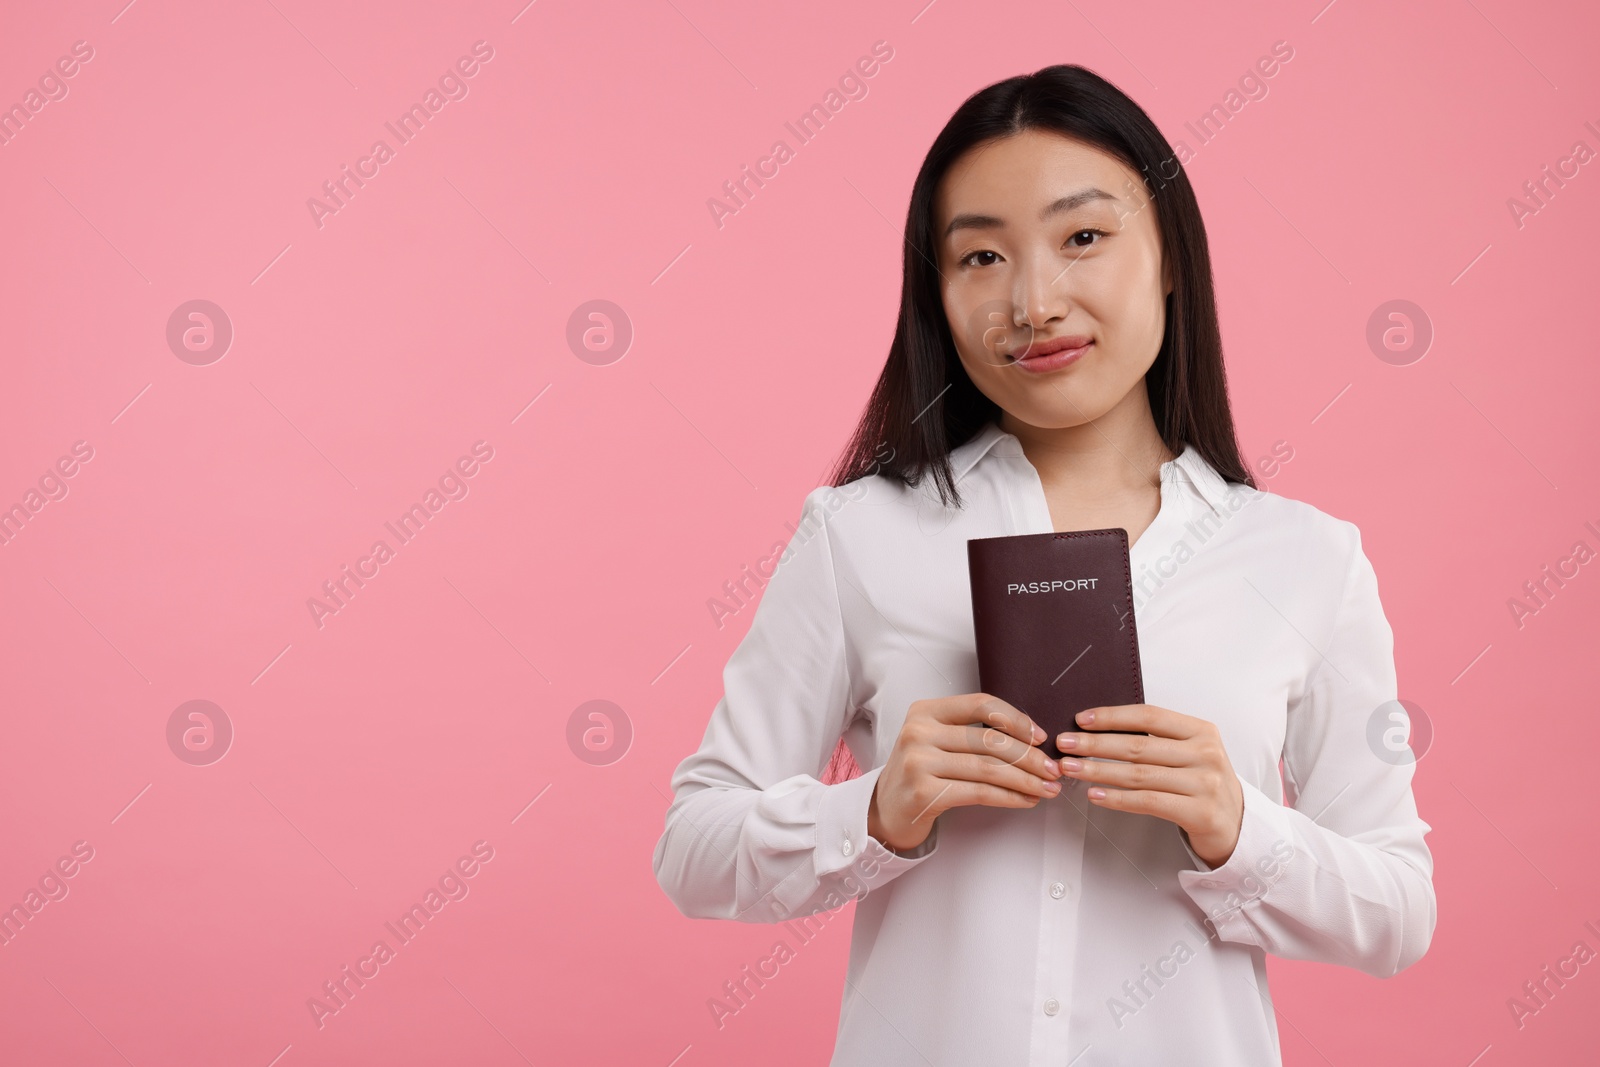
column 1180, row 772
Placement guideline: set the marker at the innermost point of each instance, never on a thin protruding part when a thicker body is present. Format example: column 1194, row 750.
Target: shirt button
column 1052, row 1006
column 1058, row 890
column 848, row 847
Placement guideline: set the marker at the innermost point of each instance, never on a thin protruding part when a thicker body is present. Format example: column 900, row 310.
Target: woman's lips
column 1054, row 360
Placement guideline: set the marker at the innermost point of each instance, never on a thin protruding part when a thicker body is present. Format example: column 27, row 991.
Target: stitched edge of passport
column 1127, row 574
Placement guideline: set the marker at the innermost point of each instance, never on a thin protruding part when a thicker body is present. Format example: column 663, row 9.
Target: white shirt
column 1065, row 934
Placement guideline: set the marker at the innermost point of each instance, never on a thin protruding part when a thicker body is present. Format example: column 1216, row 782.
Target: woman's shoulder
column 840, row 508
column 870, row 514
column 1299, row 530
column 870, row 491
column 1268, row 513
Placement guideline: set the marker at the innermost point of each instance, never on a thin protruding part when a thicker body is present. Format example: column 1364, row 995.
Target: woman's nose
column 1039, row 295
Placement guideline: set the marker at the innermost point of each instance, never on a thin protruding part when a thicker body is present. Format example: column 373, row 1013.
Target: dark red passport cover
column 1053, row 617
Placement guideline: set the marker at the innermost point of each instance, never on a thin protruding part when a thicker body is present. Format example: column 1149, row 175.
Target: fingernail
column 1050, row 766
column 1097, row 793
column 1071, row 766
column 1052, row 787
column 1038, row 734
column 1066, row 741
column 1086, row 716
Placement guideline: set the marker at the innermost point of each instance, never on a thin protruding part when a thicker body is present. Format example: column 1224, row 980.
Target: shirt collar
column 1189, row 466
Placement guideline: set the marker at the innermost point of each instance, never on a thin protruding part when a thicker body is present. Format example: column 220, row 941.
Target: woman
column 1058, row 366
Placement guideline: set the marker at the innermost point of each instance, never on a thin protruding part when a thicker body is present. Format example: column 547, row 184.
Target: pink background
column 432, row 310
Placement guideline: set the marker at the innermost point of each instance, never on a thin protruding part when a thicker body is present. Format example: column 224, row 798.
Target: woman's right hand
column 952, row 751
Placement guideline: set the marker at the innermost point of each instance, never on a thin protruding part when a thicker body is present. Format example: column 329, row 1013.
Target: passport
column 1052, row 614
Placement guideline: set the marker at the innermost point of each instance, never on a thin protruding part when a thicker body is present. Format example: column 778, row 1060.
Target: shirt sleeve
column 1341, row 875
column 752, row 833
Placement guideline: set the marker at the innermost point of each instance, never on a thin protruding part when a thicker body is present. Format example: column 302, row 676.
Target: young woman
column 1058, row 366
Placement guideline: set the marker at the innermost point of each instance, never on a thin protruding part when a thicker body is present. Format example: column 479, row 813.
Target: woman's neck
column 1116, row 457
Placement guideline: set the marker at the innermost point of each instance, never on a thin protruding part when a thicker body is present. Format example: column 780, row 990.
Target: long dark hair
column 924, row 404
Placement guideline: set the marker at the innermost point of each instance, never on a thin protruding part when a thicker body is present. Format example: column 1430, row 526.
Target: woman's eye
column 970, row 259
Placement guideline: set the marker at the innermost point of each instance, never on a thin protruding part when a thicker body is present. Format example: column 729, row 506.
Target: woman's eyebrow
column 971, row 221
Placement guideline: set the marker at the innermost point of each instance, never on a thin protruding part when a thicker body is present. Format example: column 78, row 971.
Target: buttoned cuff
column 845, row 848
column 1259, row 860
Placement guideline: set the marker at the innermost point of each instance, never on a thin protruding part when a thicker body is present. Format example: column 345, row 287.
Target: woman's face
column 1044, row 239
